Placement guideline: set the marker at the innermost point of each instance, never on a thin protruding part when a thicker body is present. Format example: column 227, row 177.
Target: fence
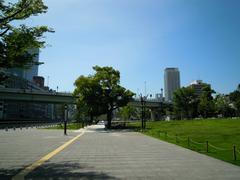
column 206, row 146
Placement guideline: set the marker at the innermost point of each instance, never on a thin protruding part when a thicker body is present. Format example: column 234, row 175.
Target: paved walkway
column 100, row 154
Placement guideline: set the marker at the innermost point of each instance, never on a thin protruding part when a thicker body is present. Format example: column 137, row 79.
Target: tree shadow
column 6, row 174
column 67, row 170
column 116, row 129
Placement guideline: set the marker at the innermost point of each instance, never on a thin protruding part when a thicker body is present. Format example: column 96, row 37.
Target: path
column 100, row 154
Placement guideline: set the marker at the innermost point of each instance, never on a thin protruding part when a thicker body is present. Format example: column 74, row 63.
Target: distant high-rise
column 171, row 82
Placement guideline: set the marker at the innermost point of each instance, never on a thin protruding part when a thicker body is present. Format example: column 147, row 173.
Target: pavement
column 100, row 154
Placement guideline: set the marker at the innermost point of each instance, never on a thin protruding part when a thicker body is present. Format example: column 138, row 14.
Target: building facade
column 25, row 111
column 19, row 78
column 198, row 86
column 171, row 82
column 28, row 73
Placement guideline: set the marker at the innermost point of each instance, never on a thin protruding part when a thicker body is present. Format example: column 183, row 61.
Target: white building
column 198, row 85
column 171, row 82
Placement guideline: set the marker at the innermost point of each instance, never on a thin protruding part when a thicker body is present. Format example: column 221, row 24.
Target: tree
column 15, row 42
column 222, row 104
column 206, row 103
column 235, row 99
column 101, row 93
column 89, row 91
column 185, row 103
column 128, row 112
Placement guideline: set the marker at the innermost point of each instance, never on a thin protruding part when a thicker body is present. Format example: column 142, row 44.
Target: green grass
column 70, row 126
column 222, row 133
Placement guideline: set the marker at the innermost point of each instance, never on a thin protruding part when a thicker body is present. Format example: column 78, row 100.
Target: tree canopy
column 206, row 103
column 188, row 103
column 101, row 92
column 16, row 41
column 235, row 99
column 185, row 103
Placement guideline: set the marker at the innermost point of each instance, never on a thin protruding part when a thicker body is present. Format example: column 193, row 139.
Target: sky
column 140, row 38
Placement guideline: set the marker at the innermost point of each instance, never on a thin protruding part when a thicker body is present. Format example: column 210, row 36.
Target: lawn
column 221, row 134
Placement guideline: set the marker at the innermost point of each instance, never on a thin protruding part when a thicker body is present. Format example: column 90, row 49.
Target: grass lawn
column 70, row 126
column 221, row 135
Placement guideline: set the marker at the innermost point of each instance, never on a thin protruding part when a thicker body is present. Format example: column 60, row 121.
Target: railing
column 13, row 125
column 206, row 146
column 13, row 90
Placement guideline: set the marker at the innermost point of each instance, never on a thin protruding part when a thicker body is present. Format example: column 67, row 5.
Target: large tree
column 89, row 92
column 223, row 106
column 206, row 102
column 16, row 41
column 185, row 103
column 101, row 93
column 235, row 99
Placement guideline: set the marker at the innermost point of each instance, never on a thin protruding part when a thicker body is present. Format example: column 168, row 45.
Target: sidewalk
column 100, row 154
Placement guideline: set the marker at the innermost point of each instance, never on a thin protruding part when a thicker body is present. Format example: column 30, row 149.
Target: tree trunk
column 91, row 118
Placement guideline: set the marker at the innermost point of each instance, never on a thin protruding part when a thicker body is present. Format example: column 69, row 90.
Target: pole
column 65, row 118
column 234, row 153
column 207, row 146
column 144, row 111
column 141, row 98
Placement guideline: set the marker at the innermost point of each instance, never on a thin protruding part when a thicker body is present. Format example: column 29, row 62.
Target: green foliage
column 127, row 112
column 185, row 103
column 206, row 103
column 235, row 99
column 15, row 42
column 222, row 105
column 90, row 94
column 101, row 93
column 14, row 48
column 188, row 104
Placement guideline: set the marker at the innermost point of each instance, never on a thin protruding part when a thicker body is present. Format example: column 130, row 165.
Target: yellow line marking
column 24, row 172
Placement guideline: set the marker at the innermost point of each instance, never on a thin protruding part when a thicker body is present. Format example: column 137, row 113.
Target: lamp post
column 143, row 103
column 65, row 118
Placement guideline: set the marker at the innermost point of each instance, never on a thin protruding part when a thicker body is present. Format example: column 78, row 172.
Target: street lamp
column 143, row 104
column 65, row 118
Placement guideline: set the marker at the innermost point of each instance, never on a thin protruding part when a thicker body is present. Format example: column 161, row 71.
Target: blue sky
column 141, row 38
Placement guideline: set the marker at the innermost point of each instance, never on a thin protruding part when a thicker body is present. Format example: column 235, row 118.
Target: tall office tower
column 27, row 73
column 171, row 82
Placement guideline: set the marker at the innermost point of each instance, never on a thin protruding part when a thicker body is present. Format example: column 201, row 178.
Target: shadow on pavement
column 66, row 170
column 114, row 129
column 8, row 173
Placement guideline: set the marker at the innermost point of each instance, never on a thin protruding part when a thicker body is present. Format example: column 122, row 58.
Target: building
column 39, row 81
column 21, row 78
column 198, row 85
column 27, row 73
column 25, row 111
column 171, row 82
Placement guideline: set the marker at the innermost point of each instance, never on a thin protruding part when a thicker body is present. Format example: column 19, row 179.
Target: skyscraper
column 171, row 82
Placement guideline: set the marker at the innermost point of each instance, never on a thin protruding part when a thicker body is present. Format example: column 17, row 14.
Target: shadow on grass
column 67, row 170
column 122, row 128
